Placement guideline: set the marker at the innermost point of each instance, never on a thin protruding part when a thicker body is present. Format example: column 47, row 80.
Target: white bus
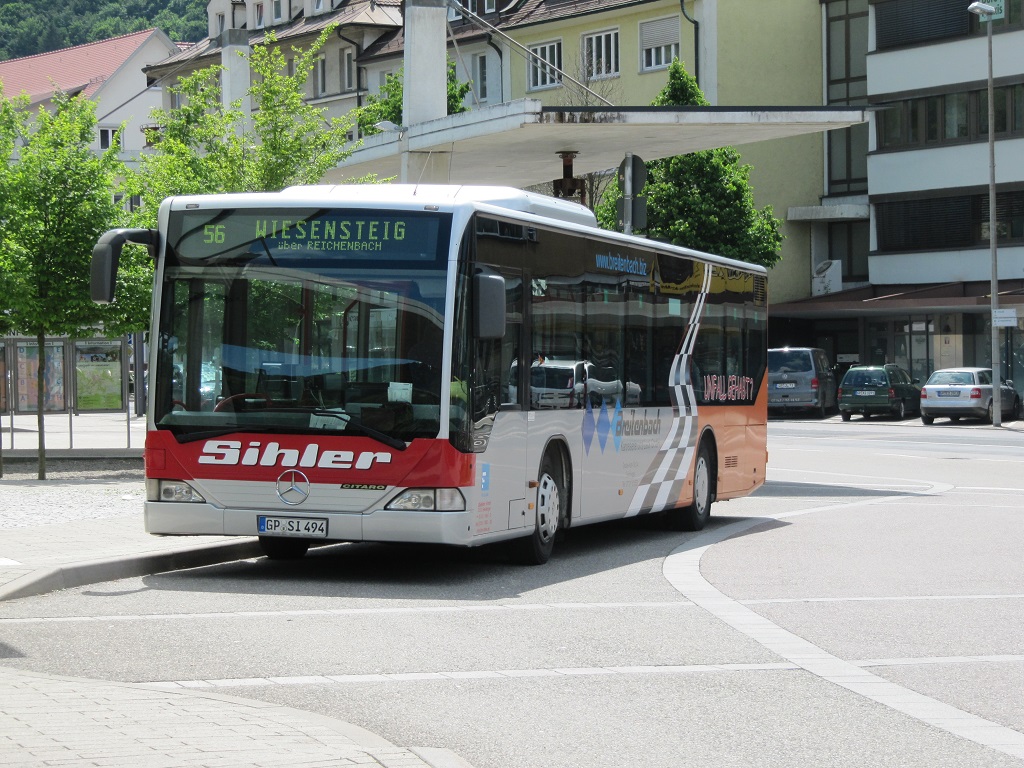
column 354, row 363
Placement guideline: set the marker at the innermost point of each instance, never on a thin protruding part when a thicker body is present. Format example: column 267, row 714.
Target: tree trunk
column 41, row 402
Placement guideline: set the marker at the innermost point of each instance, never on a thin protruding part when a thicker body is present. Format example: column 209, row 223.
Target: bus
column 362, row 363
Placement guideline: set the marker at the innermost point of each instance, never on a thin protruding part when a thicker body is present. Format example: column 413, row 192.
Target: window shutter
column 654, row 34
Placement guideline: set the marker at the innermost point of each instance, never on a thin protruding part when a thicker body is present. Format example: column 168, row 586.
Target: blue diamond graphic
column 588, row 428
column 616, row 418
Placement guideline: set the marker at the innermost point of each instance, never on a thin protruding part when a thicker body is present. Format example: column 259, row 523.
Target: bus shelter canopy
column 522, row 143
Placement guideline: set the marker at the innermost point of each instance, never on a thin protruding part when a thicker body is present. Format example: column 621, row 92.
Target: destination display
column 233, row 235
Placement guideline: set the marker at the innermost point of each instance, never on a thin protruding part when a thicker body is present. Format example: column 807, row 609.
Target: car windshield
column 952, row 378
column 788, row 361
column 865, row 378
column 321, row 320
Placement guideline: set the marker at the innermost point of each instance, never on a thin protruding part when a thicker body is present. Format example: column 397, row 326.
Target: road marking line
column 878, row 598
column 499, row 674
column 344, row 612
column 682, row 570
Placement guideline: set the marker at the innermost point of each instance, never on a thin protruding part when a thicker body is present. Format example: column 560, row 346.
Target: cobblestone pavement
column 82, row 525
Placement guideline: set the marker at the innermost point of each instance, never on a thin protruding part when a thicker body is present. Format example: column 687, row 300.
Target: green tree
column 204, row 147
column 387, row 105
column 62, row 193
column 702, row 200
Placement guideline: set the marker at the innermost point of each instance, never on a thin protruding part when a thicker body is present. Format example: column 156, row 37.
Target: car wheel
column 989, row 417
column 695, row 516
column 927, row 419
column 281, row 548
column 846, row 415
column 954, row 419
column 822, row 411
column 901, row 410
column 1015, row 413
column 536, row 548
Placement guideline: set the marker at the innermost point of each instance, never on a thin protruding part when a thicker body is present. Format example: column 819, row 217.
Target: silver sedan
column 956, row 392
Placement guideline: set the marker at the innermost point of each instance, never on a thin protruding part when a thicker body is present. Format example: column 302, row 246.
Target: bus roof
column 447, row 196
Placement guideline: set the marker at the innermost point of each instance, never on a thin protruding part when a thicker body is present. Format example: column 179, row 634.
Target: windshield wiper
column 376, row 434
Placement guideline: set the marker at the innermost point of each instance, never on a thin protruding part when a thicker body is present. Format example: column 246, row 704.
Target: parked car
column 885, row 389
column 956, row 392
column 800, row 378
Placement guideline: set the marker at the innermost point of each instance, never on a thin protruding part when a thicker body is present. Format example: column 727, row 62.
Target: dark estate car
column 885, row 389
column 956, row 392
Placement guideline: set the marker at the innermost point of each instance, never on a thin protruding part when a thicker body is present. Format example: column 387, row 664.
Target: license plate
column 865, row 393
column 948, row 393
column 306, row 527
column 786, row 385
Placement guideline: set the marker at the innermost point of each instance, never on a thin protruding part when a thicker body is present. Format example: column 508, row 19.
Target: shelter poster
column 28, row 370
column 98, row 376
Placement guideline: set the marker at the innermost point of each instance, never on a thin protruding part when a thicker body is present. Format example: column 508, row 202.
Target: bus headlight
column 429, row 499
column 172, row 490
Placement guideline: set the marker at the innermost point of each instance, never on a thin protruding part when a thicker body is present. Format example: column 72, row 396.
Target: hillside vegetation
column 37, row 26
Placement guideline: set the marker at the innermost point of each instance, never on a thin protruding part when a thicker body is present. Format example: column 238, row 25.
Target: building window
column 849, row 243
column 454, row 14
column 278, row 10
column 258, row 9
column 601, row 55
column 659, row 43
column 490, row 6
column 318, row 5
column 110, row 137
column 320, row 77
column 480, row 75
column 947, row 223
column 348, row 69
column 220, row 23
column 950, row 118
column 847, row 84
column 540, row 74
column 906, row 22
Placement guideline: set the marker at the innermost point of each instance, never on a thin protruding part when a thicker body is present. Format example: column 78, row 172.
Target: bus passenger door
column 499, row 418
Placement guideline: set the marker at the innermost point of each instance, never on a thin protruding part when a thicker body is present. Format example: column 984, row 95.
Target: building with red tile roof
column 108, row 72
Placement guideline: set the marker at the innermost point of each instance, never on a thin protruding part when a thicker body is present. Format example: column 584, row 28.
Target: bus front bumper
column 385, row 525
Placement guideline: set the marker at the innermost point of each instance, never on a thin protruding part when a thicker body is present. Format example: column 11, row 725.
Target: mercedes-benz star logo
column 292, row 487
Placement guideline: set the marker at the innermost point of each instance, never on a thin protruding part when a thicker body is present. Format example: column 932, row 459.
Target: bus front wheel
column 695, row 516
column 281, row 548
column 536, row 548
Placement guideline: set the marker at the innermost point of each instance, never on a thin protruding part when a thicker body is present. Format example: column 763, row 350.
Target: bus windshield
column 292, row 321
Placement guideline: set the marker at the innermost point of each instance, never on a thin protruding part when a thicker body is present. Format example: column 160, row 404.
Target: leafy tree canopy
column 29, row 27
column 387, row 105
column 702, row 200
column 203, row 147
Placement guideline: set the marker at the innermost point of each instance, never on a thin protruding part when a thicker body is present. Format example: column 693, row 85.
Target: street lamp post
column 985, row 12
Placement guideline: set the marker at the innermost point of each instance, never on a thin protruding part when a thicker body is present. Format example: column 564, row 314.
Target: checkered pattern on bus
column 663, row 482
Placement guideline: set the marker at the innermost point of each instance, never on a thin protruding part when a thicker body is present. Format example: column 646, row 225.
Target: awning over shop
column 971, row 297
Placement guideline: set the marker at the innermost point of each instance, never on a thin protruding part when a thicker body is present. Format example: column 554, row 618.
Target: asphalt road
column 863, row 608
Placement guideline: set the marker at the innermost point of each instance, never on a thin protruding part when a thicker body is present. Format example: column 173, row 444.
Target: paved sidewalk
column 66, row 532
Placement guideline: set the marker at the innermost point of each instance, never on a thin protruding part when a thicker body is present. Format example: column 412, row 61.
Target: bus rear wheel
column 695, row 516
column 281, row 548
column 536, row 548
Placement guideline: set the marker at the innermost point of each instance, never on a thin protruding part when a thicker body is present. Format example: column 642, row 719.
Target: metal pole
column 627, row 196
column 993, row 236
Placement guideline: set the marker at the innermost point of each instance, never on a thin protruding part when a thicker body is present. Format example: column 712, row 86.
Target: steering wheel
column 228, row 403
